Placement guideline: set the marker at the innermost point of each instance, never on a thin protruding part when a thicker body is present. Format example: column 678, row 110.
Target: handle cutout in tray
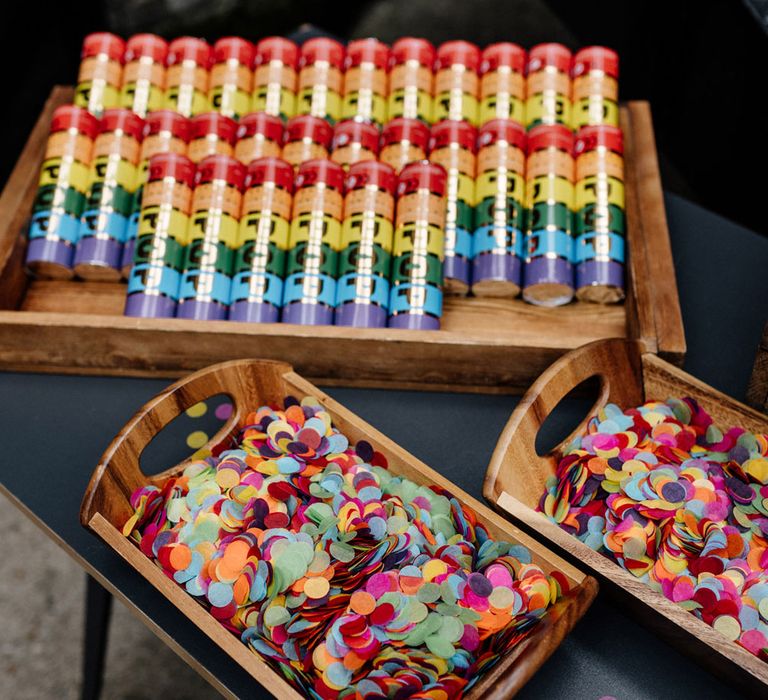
column 248, row 382
column 519, row 465
column 569, row 417
column 191, row 435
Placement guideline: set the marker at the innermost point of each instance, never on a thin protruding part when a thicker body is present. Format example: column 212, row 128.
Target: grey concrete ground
column 41, row 613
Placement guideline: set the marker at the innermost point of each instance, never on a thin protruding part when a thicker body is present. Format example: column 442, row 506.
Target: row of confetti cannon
column 366, row 79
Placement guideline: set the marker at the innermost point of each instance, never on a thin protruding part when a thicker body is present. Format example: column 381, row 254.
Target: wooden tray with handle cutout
column 484, row 345
column 516, row 477
column 250, row 384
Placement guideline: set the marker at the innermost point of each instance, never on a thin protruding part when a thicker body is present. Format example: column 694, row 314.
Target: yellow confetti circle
column 197, row 439
column 728, row 626
column 316, row 587
column 199, row 409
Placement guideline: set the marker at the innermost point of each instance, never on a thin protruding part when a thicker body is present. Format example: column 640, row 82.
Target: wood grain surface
column 757, row 390
column 652, row 273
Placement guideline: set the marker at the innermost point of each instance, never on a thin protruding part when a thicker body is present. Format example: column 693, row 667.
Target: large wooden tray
column 487, row 345
column 516, row 478
column 251, row 383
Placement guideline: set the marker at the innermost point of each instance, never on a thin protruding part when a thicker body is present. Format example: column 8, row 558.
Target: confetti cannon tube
column 310, row 284
column 502, row 83
column 354, row 141
column 595, row 87
column 416, row 299
column 153, row 285
column 211, row 134
column 186, row 76
column 403, row 141
column 143, row 88
column 457, row 85
column 231, row 79
column 275, row 77
column 205, row 289
column 362, row 297
column 452, row 145
column 548, row 86
column 164, row 132
column 550, row 200
column 114, row 173
column 365, row 81
column 307, row 138
column 257, row 284
column 101, row 73
column 600, row 244
column 497, row 245
column 321, row 78
column 411, row 80
column 61, row 194
column 259, row 135
column 606, row 218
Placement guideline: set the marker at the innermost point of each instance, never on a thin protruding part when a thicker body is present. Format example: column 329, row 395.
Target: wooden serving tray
column 251, row 383
column 516, row 478
column 488, row 345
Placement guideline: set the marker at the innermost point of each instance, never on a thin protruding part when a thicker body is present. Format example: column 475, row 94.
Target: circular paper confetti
column 223, row 411
column 310, row 549
column 198, row 410
column 680, row 504
column 197, row 439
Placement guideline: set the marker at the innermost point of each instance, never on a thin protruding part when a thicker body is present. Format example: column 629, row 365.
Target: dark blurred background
column 701, row 64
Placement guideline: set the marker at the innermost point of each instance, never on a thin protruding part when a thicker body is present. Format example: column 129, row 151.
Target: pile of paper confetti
column 678, row 503
column 350, row 580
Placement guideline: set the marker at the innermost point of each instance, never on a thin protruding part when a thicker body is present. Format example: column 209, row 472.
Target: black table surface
column 56, row 428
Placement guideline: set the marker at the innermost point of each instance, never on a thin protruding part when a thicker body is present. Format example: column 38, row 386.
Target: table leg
column 98, row 608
